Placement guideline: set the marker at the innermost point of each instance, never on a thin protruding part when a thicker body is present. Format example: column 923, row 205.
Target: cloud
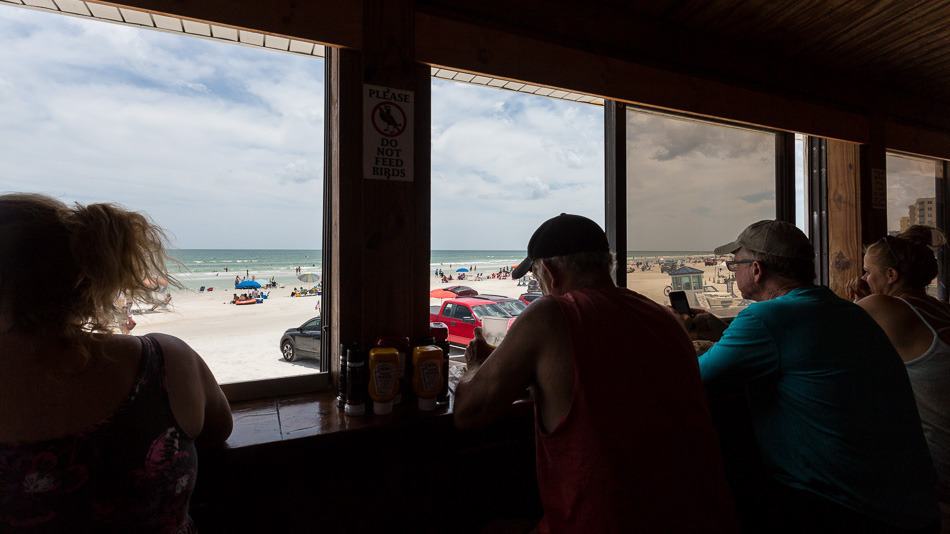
column 221, row 144
column 693, row 185
column 503, row 162
column 761, row 196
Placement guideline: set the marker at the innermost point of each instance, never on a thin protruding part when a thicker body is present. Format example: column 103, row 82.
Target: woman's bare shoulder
column 883, row 304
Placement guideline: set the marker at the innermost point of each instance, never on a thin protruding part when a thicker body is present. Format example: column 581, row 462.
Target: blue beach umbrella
column 248, row 284
column 462, row 270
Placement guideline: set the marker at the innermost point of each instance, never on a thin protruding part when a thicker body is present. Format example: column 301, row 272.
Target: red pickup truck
column 462, row 315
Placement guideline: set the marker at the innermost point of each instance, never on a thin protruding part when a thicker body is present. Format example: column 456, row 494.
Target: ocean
column 217, row 267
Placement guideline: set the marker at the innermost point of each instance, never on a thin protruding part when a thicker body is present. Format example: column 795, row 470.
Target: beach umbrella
column 248, row 284
column 441, row 294
column 308, row 278
column 462, row 270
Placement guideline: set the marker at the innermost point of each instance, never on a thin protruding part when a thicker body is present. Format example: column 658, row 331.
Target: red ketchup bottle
column 440, row 332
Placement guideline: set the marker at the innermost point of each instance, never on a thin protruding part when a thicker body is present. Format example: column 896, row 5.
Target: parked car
column 463, row 315
column 461, row 291
column 529, row 297
column 512, row 307
column 302, row 342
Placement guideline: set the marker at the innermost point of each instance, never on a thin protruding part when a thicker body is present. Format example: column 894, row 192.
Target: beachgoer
column 833, row 411
column 234, row 299
column 609, row 458
column 897, row 271
column 97, row 429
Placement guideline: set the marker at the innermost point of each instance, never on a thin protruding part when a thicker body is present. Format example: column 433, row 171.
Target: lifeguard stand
column 686, row 279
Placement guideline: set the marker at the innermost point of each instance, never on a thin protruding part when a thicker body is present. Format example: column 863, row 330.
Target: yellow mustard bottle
column 426, row 375
column 383, row 378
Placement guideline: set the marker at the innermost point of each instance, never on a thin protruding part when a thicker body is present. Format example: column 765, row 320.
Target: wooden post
column 845, row 253
column 344, row 90
column 785, row 177
column 615, row 161
column 874, row 185
column 943, row 222
column 380, row 227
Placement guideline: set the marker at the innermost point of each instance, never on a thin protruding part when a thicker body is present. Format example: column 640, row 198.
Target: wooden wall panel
column 844, row 218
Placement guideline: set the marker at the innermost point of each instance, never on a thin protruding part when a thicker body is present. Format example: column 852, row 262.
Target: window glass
column 221, row 145
column 911, row 196
column 449, row 310
column 692, row 186
column 512, row 307
column 489, row 310
column 801, row 184
column 503, row 162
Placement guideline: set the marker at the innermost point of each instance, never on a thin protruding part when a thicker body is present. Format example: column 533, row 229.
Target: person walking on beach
column 97, row 430
column 832, row 408
column 624, row 439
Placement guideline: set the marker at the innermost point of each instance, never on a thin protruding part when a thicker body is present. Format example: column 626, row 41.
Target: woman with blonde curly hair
column 97, row 429
column 897, row 271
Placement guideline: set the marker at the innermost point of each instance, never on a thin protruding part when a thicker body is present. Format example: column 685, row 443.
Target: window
column 221, row 145
column 489, row 310
column 911, row 196
column 503, row 162
column 801, row 184
column 449, row 310
column 692, row 186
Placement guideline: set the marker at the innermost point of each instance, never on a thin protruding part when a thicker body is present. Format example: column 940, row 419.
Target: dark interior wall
column 809, row 51
column 421, row 478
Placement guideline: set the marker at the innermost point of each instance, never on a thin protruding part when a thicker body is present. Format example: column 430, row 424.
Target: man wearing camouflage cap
column 833, row 411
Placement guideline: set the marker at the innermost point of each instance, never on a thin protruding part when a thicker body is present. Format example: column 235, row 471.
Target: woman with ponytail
column 97, row 430
column 897, row 270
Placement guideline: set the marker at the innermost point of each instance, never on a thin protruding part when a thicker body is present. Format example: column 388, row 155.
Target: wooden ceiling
column 874, row 56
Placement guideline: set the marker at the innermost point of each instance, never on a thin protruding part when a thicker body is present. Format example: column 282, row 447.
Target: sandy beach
column 240, row 343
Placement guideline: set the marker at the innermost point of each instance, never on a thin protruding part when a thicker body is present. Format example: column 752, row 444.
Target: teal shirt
column 832, row 407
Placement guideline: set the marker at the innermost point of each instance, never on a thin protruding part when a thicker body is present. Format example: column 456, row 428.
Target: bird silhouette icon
column 386, row 114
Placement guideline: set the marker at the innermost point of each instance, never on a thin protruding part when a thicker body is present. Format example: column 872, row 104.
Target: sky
column 222, row 145
column 907, row 180
column 692, row 186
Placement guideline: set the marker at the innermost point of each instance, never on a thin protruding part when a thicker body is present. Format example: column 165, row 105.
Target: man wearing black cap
column 833, row 411
column 623, row 435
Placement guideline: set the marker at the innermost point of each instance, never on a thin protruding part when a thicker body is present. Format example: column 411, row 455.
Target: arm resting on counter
column 486, row 390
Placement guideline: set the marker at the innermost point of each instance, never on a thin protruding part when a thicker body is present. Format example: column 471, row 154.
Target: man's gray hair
column 799, row 270
column 586, row 262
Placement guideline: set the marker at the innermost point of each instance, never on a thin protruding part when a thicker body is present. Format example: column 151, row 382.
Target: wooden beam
column 466, row 46
column 333, row 23
column 917, row 141
column 845, row 254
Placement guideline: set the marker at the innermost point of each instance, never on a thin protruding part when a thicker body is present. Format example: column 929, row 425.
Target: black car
column 302, row 342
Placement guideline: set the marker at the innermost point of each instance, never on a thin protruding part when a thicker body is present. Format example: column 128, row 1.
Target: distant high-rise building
column 905, row 223
column 923, row 211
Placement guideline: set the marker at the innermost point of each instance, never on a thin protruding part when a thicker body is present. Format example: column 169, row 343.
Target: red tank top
column 637, row 451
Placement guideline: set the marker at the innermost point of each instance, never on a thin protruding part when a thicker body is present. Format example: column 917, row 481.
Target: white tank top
column 929, row 375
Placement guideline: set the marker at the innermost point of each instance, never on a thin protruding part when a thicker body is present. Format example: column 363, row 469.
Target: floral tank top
column 133, row 472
